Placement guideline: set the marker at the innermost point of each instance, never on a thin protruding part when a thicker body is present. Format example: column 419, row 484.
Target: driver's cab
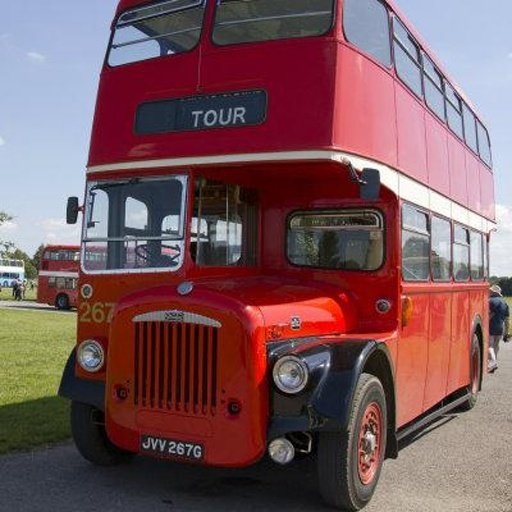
column 139, row 224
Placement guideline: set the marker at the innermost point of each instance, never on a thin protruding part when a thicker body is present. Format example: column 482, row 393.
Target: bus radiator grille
column 175, row 367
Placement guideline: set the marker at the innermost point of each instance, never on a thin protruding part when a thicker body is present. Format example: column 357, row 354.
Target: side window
column 454, row 111
column 366, row 25
column 470, row 128
column 461, row 254
column 415, row 245
column 441, row 251
column 52, row 282
column 477, row 259
column 342, row 240
column 434, row 95
column 484, row 145
column 407, row 58
column 224, row 227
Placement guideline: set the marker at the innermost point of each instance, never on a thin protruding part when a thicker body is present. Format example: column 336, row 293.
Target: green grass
column 6, row 294
column 34, row 348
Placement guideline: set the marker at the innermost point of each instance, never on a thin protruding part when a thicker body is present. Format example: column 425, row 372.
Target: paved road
column 463, row 465
column 30, row 306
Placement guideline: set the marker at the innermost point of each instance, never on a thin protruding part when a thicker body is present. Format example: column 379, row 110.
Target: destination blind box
column 230, row 110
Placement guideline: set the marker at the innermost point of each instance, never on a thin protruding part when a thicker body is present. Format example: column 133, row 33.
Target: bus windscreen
column 164, row 29
column 242, row 21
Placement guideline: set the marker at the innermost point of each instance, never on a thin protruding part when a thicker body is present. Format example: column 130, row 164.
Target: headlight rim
column 304, row 367
column 81, row 347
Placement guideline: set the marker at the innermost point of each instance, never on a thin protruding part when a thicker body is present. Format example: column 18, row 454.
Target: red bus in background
column 58, row 276
column 290, row 205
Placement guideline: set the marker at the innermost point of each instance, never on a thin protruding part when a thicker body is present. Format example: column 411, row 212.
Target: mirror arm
column 353, row 173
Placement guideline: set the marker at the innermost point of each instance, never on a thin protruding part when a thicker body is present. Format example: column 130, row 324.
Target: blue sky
column 51, row 53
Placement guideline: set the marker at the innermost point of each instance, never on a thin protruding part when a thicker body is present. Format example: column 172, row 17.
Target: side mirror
column 72, row 210
column 370, row 184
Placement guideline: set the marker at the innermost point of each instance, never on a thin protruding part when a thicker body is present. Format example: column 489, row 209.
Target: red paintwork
column 46, row 295
column 323, row 94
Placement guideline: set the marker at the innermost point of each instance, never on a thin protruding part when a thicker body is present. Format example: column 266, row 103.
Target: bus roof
column 393, row 5
column 61, row 246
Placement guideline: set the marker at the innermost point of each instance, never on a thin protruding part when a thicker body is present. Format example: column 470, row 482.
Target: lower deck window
column 344, row 240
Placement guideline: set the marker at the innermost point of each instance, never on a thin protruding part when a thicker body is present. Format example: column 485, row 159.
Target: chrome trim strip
column 177, row 316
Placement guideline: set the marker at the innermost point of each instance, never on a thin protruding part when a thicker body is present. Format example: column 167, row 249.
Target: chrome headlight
column 90, row 356
column 291, row 374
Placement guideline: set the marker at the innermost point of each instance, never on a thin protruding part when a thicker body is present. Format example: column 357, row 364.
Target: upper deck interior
column 305, row 85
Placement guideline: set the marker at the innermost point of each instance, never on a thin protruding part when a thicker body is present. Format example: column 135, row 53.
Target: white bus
column 11, row 271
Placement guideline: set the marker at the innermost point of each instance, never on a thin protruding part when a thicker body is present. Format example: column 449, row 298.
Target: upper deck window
column 161, row 29
column 407, row 58
column 247, row 21
column 470, row 128
column 484, row 145
column 366, row 25
column 135, row 224
column 454, row 110
column 434, row 95
column 342, row 240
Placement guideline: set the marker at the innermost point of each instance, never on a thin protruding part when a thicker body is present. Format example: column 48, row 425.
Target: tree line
column 9, row 251
column 505, row 283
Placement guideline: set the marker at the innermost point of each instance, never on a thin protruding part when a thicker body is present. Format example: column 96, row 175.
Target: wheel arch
column 379, row 364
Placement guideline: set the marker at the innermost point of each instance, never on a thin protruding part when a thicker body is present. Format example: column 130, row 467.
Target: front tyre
column 88, row 430
column 349, row 462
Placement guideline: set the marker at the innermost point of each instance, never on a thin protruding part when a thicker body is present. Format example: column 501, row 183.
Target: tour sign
column 248, row 108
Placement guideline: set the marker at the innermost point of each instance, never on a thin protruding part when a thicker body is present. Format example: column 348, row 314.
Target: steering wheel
column 144, row 252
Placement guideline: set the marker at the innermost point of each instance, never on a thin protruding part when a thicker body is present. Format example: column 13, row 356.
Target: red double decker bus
column 291, row 202
column 58, row 276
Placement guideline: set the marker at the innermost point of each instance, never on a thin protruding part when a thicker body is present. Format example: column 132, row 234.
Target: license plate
column 161, row 447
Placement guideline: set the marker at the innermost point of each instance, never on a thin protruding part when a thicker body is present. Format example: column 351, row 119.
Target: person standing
column 499, row 315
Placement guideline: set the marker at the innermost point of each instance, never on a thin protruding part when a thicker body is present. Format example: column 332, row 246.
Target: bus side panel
column 458, row 181
column 439, row 348
column 487, row 192
column 410, row 120
column 473, row 172
column 437, row 155
column 412, row 362
column 364, row 108
column 461, row 336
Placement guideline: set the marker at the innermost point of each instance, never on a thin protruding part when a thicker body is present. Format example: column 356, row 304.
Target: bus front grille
column 175, row 367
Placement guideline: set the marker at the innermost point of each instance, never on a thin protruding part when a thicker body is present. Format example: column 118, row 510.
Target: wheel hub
column 369, row 448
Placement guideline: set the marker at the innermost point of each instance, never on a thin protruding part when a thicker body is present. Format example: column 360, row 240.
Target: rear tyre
column 475, row 374
column 62, row 302
column 350, row 462
column 88, row 430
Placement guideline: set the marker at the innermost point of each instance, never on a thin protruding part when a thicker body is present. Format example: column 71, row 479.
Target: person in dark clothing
column 499, row 315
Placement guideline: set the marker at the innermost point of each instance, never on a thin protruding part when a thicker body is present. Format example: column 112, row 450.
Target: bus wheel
column 90, row 437
column 62, row 302
column 349, row 462
column 475, row 371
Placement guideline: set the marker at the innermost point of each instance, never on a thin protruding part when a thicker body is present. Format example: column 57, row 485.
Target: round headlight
column 90, row 356
column 290, row 374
